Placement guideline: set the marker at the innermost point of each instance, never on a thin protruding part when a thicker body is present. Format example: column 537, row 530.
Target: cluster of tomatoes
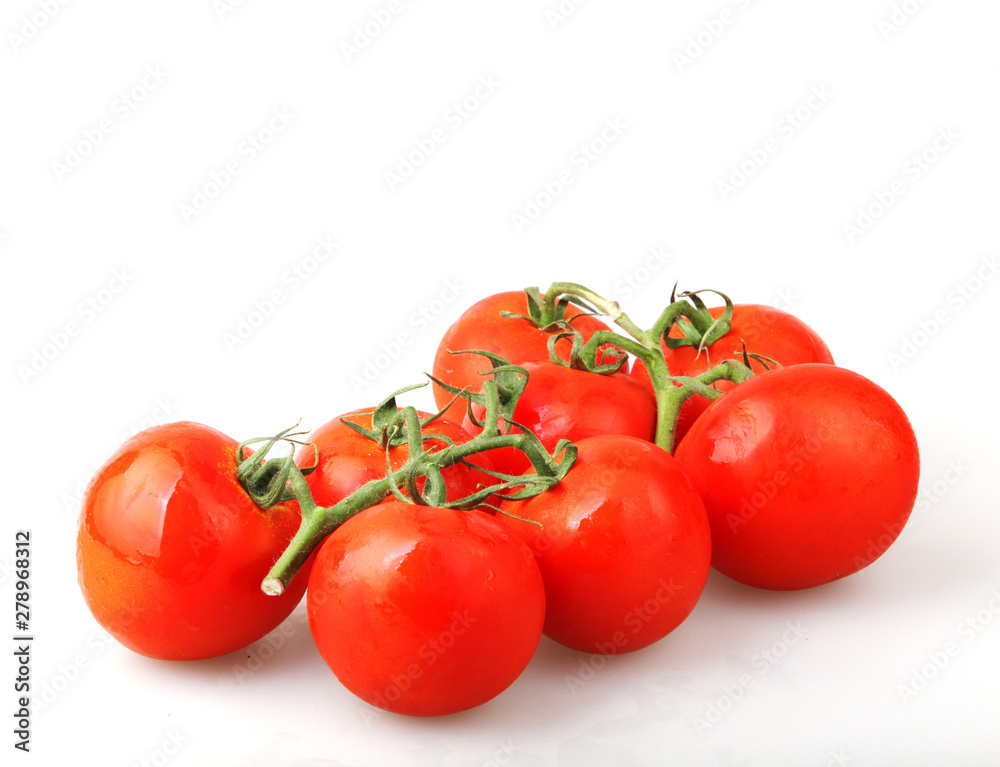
column 422, row 550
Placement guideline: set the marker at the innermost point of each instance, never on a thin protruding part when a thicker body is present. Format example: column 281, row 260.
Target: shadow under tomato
column 282, row 653
column 544, row 700
column 723, row 590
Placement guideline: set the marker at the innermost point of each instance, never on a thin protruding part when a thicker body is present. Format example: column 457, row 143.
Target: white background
column 697, row 90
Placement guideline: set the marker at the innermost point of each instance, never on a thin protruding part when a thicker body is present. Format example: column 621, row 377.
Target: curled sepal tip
column 383, row 420
column 598, row 358
column 500, row 393
column 689, row 314
column 266, row 479
column 546, row 312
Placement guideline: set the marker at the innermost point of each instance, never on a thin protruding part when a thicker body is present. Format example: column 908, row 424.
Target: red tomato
column 808, row 473
column 425, row 611
column 562, row 403
column 623, row 546
column 171, row 550
column 347, row 460
column 765, row 330
column 516, row 340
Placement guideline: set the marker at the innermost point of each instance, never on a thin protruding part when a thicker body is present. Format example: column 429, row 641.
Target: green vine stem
column 288, row 480
column 699, row 328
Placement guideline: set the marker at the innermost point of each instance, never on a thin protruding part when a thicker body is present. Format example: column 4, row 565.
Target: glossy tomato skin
column 562, row 403
column 808, row 474
column 347, row 460
column 171, row 551
column 623, row 546
column 425, row 611
column 483, row 327
column 767, row 331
